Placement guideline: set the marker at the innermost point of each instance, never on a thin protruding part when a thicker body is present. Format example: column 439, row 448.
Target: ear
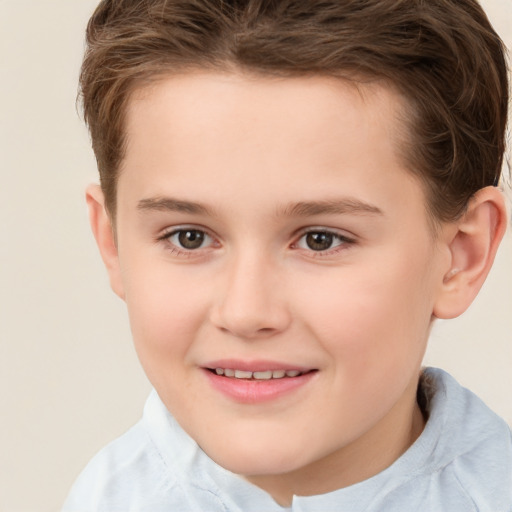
column 104, row 234
column 472, row 243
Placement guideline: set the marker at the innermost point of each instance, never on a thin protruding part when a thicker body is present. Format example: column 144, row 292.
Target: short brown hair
column 443, row 56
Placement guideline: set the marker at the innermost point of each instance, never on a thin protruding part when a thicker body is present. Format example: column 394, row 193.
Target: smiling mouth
column 261, row 375
column 257, row 382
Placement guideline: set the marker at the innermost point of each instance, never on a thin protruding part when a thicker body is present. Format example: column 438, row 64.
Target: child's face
column 269, row 225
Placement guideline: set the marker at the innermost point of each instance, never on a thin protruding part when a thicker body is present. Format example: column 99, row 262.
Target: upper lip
column 254, row 366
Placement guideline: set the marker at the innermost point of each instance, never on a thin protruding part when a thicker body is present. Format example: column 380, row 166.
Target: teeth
column 262, row 375
column 240, row 374
column 265, row 375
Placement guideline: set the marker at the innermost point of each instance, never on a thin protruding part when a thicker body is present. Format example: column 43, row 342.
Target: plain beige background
column 69, row 378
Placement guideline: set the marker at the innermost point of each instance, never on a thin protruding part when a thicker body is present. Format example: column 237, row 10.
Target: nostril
column 247, row 320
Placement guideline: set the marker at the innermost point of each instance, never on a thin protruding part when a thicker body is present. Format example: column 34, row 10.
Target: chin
column 257, row 460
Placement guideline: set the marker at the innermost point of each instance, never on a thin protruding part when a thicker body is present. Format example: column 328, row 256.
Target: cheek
column 166, row 315
column 166, row 310
column 372, row 317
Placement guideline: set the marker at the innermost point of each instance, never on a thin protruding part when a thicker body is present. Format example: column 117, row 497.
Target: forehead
column 246, row 134
column 194, row 103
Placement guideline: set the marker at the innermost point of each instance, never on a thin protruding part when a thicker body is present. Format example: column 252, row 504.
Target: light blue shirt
column 462, row 462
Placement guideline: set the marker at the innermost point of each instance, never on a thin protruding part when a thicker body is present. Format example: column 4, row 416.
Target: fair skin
column 267, row 225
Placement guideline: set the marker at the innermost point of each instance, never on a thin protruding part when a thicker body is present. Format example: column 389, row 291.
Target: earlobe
column 102, row 229
column 473, row 248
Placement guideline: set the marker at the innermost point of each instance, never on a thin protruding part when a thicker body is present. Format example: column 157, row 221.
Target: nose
column 251, row 300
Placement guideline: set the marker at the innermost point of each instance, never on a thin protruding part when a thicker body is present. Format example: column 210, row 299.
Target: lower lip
column 251, row 391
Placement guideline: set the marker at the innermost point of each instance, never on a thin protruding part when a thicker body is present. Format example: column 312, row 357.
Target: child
column 291, row 193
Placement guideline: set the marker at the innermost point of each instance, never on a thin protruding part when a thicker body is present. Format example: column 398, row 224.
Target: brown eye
column 323, row 241
column 187, row 240
column 190, row 239
column 319, row 241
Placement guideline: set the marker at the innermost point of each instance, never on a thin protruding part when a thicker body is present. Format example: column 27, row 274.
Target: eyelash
column 176, row 249
column 344, row 242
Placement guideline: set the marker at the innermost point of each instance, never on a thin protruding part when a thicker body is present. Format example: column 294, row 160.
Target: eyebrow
column 170, row 204
column 300, row 209
column 335, row 206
